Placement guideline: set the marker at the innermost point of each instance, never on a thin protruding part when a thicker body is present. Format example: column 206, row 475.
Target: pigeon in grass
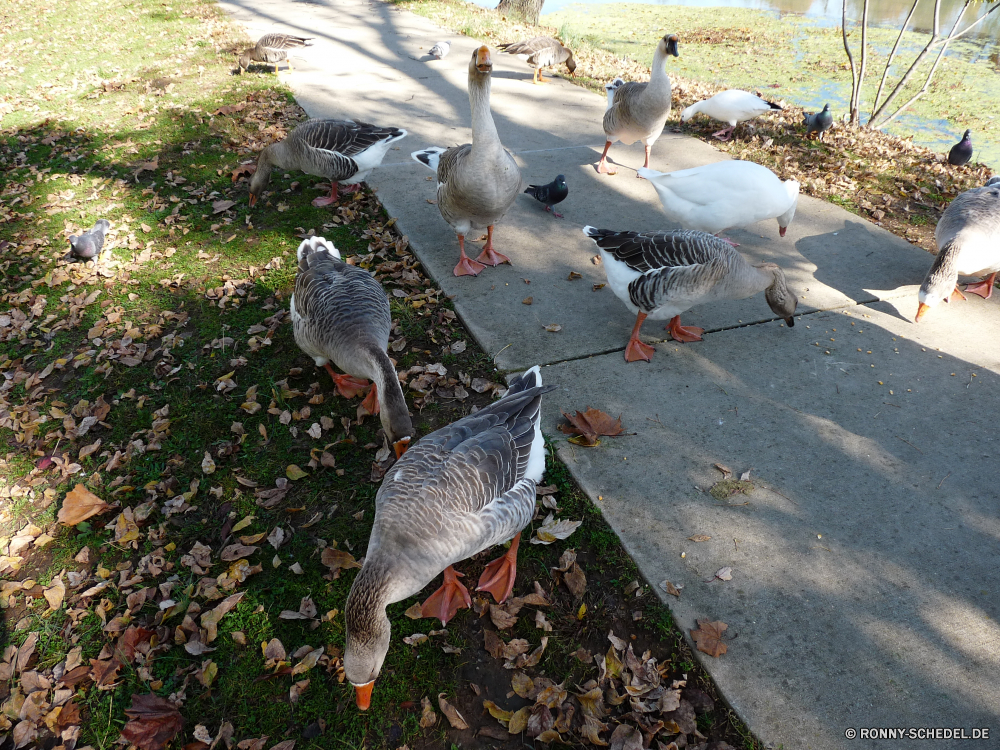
column 961, row 152
column 88, row 245
column 818, row 122
column 440, row 50
column 550, row 194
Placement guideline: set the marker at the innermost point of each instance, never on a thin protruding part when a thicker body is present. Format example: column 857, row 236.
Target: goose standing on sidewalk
column 638, row 111
column 460, row 490
column 343, row 151
column 661, row 274
column 340, row 313
column 476, row 182
column 968, row 240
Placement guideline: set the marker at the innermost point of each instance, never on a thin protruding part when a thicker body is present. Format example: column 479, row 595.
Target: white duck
column 460, row 490
column 638, row 111
column 343, row 151
column 440, row 50
column 341, row 313
column 968, row 240
column 661, row 274
column 732, row 106
column 479, row 181
column 725, row 194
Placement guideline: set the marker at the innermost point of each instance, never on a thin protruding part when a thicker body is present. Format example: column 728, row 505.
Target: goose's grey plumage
column 273, row 48
column 968, row 240
column 343, row 151
column 733, row 107
column 340, row 314
column 88, row 245
column 638, row 111
column 818, row 122
column 725, row 194
column 664, row 273
column 541, row 52
column 456, row 492
column 476, row 182
column 610, row 90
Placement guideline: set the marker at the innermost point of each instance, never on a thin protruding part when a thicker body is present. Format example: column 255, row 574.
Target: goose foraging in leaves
column 968, row 240
column 340, row 313
column 343, row 151
column 476, row 182
column 440, row 50
column 818, row 122
column 638, row 111
column 733, row 107
column 550, row 194
column 961, row 152
column 541, row 52
column 272, row 49
column 726, row 194
column 88, row 245
column 458, row 491
column 661, row 274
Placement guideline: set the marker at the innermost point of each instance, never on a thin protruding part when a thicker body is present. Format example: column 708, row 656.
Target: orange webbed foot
column 498, row 578
column 491, row 257
column 370, row 404
column 982, row 288
column 636, row 351
column 683, row 334
column 347, row 385
column 447, row 600
column 468, row 267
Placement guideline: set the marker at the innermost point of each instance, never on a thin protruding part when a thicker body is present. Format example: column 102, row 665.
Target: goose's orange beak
column 484, row 63
column 363, row 695
column 253, row 200
column 921, row 311
column 400, row 446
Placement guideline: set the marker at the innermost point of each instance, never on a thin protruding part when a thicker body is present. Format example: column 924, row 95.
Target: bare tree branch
column 850, row 57
column 892, row 54
column 856, row 103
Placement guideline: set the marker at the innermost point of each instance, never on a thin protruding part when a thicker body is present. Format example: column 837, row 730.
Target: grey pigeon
column 961, row 152
column 88, row 245
column 818, row 122
column 550, row 194
column 440, row 50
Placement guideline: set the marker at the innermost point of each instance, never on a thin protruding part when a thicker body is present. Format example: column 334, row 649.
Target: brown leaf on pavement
column 153, row 722
column 591, row 424
column 79, row 505
column 452, row 714
column 708, row 637
column 670, row 588
column 699, row 538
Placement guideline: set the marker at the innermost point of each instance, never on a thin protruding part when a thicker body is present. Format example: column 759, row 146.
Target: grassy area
column 883, row 177
column 165, row 380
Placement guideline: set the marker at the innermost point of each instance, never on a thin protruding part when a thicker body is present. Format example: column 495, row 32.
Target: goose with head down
column 476, row 182
column 968, row 240
column 272, row 49
column 725, row 194
column 733, row 107
column 456, row 492
column 638, row 111
column 542, row 52
column 340, row 314
column 343, row 151
column 661, row 274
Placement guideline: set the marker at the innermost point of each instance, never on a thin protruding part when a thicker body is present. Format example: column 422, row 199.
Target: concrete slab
column 864, row 591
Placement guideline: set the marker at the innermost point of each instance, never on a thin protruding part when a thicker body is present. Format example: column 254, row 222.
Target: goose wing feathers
column 346, row 137
column 450, row 160
column 282, row 41
column 531, row 46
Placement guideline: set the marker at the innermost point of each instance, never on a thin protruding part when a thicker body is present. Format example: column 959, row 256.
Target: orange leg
column 489, row 256
column 371, row 400
column 646, row 163
column 326, row 200
column 602, row 166
column 681, row 333
column 725, row 134
column 347, row 386
column 466, row 266
column 734, row 244
column 447, row 600
column 636, row 350
column 983, row 288
column 498, row 578
column 957, row 294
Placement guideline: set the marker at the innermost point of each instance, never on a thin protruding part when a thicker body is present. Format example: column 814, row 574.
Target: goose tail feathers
column 429, row 157
column 527, row 379
column 772, row 105
column 315, row 245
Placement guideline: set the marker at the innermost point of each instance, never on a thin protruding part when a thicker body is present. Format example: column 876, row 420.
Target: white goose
column 460, row 490
column 726, row 194
column 341, row 313
column 479, row 181
column 638, row 111
column 661, row 274
column 968, row 240
column 343, row 151
column 732, row 106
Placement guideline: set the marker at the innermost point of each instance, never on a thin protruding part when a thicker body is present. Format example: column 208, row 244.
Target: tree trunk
column 850, row 57
column 527, row 10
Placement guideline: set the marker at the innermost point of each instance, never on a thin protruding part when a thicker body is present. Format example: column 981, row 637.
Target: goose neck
column 393, row 413
column 484, row 130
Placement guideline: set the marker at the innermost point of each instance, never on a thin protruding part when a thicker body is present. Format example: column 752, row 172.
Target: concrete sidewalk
column 865, row 585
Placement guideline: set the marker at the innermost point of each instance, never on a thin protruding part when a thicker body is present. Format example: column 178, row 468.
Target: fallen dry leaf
column 451, row 713
column 670, row 588
column 708, row 637
column 699, row 538
column 243, row 169
column 79, row 505
column 552, row 530
column 723, row 574
column 337, row 559
column 153, row 722
column 553, row 328
column 219, row 206
column 207, row 464
column 427, row 716
column 294, row 473
column 591, row 424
